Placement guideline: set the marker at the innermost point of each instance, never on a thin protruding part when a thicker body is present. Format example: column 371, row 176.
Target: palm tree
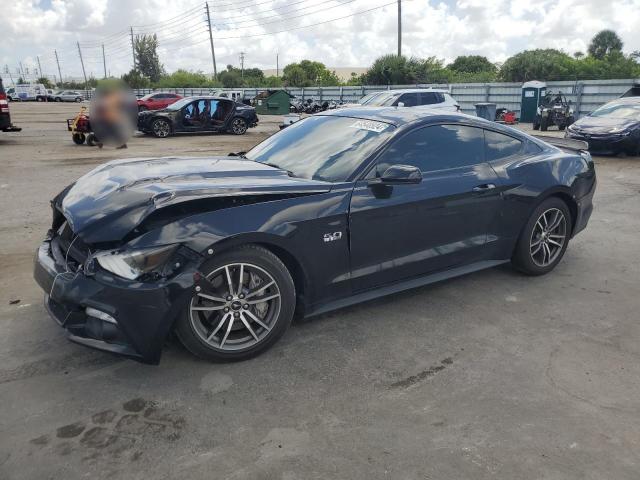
column 605, row 42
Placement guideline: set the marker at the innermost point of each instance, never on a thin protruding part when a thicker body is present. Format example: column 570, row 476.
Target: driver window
column 438, row 147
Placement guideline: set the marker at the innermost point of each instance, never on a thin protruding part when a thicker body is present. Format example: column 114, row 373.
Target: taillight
column 4, row 105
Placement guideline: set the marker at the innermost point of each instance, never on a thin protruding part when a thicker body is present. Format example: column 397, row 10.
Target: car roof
column 623, row 100
column 206, row 97
column 400, row 116
column 416, row 90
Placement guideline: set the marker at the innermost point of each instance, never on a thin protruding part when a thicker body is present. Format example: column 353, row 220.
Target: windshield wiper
column 289, row 172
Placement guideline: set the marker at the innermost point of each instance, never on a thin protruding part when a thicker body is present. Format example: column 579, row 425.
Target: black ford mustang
column 338, row 208
column 198, row 114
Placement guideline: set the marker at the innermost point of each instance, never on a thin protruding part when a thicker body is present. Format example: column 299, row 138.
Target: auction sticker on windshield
column 370, row 125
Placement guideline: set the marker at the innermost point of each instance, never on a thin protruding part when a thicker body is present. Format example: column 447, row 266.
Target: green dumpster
column 532, row 94
column 272, row 102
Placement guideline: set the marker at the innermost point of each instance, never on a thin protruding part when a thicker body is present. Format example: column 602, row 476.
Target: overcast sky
column 441, row 28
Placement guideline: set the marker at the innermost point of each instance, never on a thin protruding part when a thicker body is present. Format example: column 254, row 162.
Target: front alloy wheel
column 240, row 307
column 161, row 128
column 239, row 126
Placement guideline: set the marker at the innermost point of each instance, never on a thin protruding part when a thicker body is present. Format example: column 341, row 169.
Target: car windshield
column 147, row 96
column 619, row 110
column 180, row 103
column 327, row 148
column 367, row 98
column 383, row 100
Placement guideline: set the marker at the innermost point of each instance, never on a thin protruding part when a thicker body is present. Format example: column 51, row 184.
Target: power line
column 284, row 19
column 308, row 26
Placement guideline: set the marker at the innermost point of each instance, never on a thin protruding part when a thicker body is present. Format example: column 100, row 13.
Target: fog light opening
column 105, row 317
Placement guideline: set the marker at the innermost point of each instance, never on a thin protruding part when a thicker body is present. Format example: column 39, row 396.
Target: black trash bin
column 486, row 111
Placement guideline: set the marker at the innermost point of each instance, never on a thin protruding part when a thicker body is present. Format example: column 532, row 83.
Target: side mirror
column 399, row 175
column 401, row 104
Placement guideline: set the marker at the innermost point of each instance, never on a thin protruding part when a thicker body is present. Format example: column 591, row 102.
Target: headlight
column 132, row 264
column 617, row 129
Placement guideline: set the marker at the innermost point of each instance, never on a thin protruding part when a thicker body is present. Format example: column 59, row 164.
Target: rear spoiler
column 564, row 143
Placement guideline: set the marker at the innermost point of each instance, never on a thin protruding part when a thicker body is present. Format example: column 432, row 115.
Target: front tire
column 78, row 138
column 544, row 124
column 241, row 307
column 239, row 126
column 58, row 99
column 544, row 239
column 78, row 100
column 161, row 128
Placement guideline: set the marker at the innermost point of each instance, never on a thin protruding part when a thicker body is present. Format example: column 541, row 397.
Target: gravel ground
column 493, row 375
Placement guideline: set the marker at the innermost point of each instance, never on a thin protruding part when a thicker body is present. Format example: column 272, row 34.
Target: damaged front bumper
column 105, row 312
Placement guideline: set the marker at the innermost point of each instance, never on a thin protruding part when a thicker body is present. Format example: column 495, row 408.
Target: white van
column 235, row 95
column 26, row 91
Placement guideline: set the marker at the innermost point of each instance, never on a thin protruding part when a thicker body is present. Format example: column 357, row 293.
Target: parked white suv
column 417, row 97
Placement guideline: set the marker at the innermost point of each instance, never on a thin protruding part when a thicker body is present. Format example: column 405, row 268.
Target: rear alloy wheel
column 544, row 239
column 239, row 126
column 161, row 128
column 243, row 304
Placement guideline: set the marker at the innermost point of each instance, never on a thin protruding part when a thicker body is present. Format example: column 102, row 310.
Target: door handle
column 484, row 188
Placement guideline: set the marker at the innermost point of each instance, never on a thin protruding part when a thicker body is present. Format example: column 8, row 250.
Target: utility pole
column 104, row 62
column 399, row 27
column 39, row 66
column 133, row 50
column 7, row 70
column 213, row 52
column 277, row 64
column 82, row 63
column 58, row 63
column 241, row 64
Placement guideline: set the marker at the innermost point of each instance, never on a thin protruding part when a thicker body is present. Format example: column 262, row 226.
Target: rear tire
column 78, row 138
column 542, row 243
column 239, row 126
column 78, row 100
column 58, row 99
column 202, row 318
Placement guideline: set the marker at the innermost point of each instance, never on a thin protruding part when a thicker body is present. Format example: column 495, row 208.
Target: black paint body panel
column 392, row 237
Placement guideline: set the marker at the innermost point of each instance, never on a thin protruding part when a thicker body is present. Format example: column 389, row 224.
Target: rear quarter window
column 498, row 145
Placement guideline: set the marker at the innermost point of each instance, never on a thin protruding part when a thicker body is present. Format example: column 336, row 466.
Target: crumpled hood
column 108, row 202
column 602, row 124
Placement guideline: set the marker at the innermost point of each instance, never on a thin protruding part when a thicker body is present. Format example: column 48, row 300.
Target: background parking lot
column 492, row 375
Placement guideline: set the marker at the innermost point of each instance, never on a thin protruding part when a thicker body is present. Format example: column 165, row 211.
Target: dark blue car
column 336, row 209
column 612, row 128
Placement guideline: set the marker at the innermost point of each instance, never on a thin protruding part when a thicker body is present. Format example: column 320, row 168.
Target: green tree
column 186, row 79
column 145, row 49
column 394, row 70
column 135, row 79
column 604, row 43
column 539, row 64
column 308, row 73
column 45, row 81
column 472, row 64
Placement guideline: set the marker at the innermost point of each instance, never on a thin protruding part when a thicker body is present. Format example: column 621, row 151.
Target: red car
column 157, row 101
